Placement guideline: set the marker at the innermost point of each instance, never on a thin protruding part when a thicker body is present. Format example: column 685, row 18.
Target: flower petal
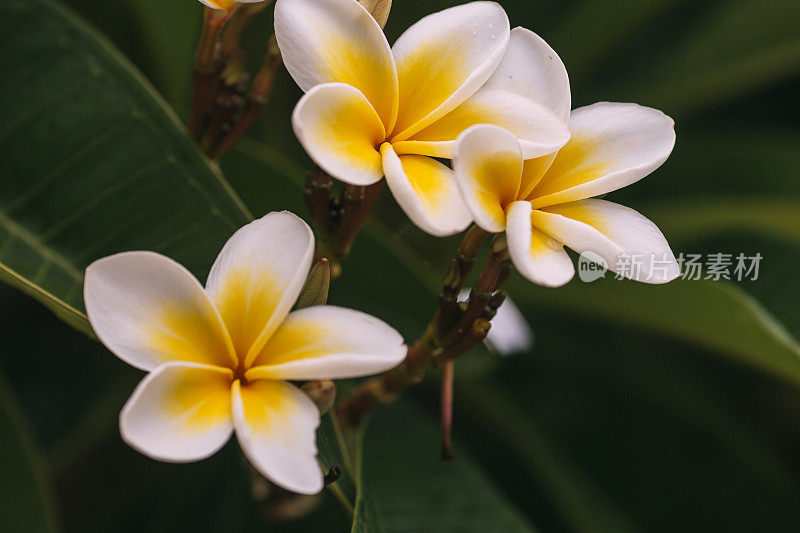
column 427, row 191
column 219, row 4
column 443, row 59
column 630, row 244
column 148, row 310
column 538, row 129
column 536, row 256
column 276, row 426
column 612, row 145
column 532, row 69
column 340, row 131
column 324, row 41
column 258, row 276
column 488, row 167
column 327, row 342
column 180, row 412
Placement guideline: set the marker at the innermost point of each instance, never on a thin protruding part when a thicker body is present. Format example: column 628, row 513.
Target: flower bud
column 379, row 9
column 322, row 393
column 315, row 291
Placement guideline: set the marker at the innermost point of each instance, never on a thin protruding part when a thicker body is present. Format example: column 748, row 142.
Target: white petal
column 510, row 332
column 630, row 244
column 258, row 276
column 276, row 426
column 488, row 167
column 340, row 131
column 538, row 257
column 148, row 310
column 612, row 145
column 427, row 191
column 539, row 130
column 324, row 41
column 180, row 412
column 532, row 69
column 327, row 342
column 443, row 59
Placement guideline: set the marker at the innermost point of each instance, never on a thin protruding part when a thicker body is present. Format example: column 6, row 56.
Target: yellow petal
column 276, row 426
column 258, row 276
column 427, row 191
column 328, row 342
column 323, row 41
column 149, row 310
column 341, row 132
column 538, row 129
column 630, row 244
column 612, row 145
column 488, row 165
column 180, row 412
column 443, row 59
column 536, row 255
column 219, row 4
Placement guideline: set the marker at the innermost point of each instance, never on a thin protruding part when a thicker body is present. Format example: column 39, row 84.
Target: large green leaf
column 728, row 50
column 617, row 430
column 94, row 162
column 25, row 492
column 416, row 492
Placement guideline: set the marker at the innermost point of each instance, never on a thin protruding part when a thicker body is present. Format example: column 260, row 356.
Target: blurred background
column 638, row 408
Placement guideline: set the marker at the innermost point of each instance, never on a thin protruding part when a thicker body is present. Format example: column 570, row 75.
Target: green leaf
column 688, row 219
column 26, row 500
column 731, row 50
column 617, row 430
column 168, row 32
column 94, row 163
column 416, row 492
column 591, row 31
column 715, row 315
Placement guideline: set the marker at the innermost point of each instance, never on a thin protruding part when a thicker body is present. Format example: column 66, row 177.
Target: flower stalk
column 453, row 330
column 337, row 218
column 223, row 107
column 205, row 77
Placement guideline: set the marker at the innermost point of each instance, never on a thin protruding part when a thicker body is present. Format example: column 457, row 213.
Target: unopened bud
column 453, row 275
column 315, row 291
column 499, row 243
column 379, row 9
column 322, row 393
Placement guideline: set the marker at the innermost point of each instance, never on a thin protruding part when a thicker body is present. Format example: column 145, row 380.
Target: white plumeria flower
column 543, row 204
column 227, row 4
column 546, row 202
column 372, row 110
column 219, row 358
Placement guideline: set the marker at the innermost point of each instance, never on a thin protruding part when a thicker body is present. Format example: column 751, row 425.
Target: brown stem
column 357, row 202
column 448, row 374
column 456, row 276
column 438, row 346
column 205, row 76
column 317, row 195
column 259, row 94
column 388, row 386
column 235, row 29
column 493, row 273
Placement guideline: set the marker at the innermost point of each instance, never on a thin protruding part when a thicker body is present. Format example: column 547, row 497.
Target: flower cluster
column 458, row 85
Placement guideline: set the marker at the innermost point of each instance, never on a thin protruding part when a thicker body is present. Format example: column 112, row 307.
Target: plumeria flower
column 227, row 4
column 546, row 203
column 371, row 110
column 219, row 358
